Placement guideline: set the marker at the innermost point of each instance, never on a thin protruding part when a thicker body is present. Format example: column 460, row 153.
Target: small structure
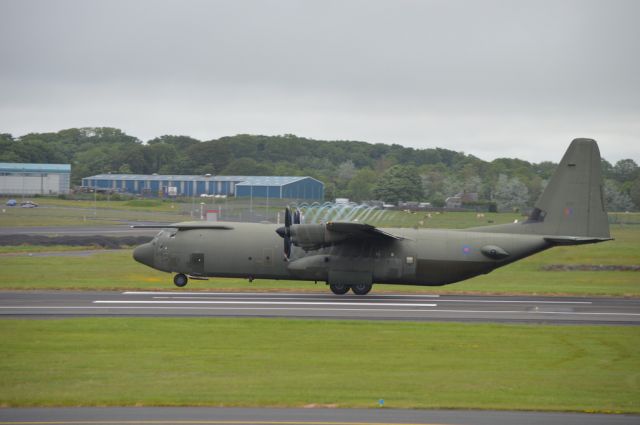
column 453, row 202
column 34, row 179
column 459, row 199
column 212, row 215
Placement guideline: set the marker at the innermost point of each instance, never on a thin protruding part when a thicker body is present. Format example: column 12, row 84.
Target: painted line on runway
column 262, row 294
column 263, row 303
column 513, row 301
column 206, row 422
column 93, row 307
column 283, row 299
column 569, row 313
column 439, row 300
column 217, row 308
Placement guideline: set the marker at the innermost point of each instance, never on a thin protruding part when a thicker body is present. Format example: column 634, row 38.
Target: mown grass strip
column 273, row 362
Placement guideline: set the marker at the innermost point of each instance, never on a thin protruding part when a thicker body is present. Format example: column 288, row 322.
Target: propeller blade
column 296, row 216
column 287, row 247
column 287, row 218
column 285, row 233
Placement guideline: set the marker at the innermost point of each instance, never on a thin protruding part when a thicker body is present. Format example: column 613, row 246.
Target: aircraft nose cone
column 144, row 254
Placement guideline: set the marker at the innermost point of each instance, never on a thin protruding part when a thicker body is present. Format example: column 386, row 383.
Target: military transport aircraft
column 354, row 256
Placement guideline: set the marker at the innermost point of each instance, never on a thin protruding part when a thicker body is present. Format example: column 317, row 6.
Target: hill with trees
column 351, row 169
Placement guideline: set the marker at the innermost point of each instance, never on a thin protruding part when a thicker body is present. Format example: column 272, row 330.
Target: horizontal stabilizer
column 574, row 240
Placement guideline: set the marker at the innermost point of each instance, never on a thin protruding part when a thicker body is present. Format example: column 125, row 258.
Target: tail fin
column 572, row 204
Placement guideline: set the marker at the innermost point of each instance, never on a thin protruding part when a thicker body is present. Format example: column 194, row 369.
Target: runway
column 458, row 308
column 273, row 416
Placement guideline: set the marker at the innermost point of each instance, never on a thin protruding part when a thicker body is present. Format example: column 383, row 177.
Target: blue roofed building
column 34, row 179
column 273, row 187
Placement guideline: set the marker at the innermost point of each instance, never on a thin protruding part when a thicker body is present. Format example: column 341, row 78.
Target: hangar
column 34, row 179
column 278, row 187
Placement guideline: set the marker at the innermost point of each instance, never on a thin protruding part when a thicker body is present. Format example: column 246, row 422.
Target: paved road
column 116, row 230
column 238, row 416
column 618, row 311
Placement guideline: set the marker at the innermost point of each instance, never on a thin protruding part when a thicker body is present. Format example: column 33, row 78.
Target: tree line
column 350, row 169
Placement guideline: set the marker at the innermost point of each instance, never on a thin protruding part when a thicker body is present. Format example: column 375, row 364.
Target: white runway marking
column 385, row 303
column 246, row 299
column 263, row 303
column 94, row 307
column 262, row 294
column 285, row 295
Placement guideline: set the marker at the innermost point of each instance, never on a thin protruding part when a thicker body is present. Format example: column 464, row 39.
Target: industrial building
column 34, row 179
column 273, row 187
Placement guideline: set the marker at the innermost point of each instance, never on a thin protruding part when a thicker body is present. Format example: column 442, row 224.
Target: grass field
column 271, row 362
column 117, row 270
column 59, row 212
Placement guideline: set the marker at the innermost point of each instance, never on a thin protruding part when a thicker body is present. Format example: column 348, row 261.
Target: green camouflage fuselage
column 423, row 257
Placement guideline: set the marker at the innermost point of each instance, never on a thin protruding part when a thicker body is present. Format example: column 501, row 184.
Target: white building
column 32, row 179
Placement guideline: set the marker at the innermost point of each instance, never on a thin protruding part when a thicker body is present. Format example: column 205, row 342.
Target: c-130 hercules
column 354, row 256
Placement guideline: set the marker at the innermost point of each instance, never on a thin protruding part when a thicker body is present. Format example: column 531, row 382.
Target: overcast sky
column 490, row 78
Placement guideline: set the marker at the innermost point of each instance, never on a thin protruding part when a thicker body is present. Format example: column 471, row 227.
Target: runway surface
column 239, row 416
column 460, row 308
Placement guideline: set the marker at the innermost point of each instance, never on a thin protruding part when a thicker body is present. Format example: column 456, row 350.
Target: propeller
column 285, row 232
column 296, row 216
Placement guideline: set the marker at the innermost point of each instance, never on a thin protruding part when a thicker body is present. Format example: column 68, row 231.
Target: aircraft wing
column 186, row 225
column 360, row 231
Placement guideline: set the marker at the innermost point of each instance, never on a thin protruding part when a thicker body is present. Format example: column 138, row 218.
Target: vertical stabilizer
column 572, row 204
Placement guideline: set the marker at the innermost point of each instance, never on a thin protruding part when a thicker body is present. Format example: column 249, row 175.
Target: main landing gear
column 339, row 288
column 358, row 288
column 180, row 280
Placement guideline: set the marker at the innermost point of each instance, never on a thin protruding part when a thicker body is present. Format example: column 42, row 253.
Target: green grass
column 273, row 362
column 26, row 249
column 58, row 212
column 118, row 270
column 145, row 203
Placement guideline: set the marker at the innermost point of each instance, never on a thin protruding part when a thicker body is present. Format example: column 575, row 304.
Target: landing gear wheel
column 361, row 288
column 180, row 280
column 339, row 288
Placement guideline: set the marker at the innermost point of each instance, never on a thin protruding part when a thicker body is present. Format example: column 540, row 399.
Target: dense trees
column 399, row 183
column 356, row 170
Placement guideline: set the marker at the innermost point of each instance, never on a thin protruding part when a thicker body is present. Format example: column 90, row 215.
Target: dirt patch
column 589, row 268
column 109, row 242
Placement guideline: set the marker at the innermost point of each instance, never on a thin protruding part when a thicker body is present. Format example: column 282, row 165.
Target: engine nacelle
column 314, row 236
